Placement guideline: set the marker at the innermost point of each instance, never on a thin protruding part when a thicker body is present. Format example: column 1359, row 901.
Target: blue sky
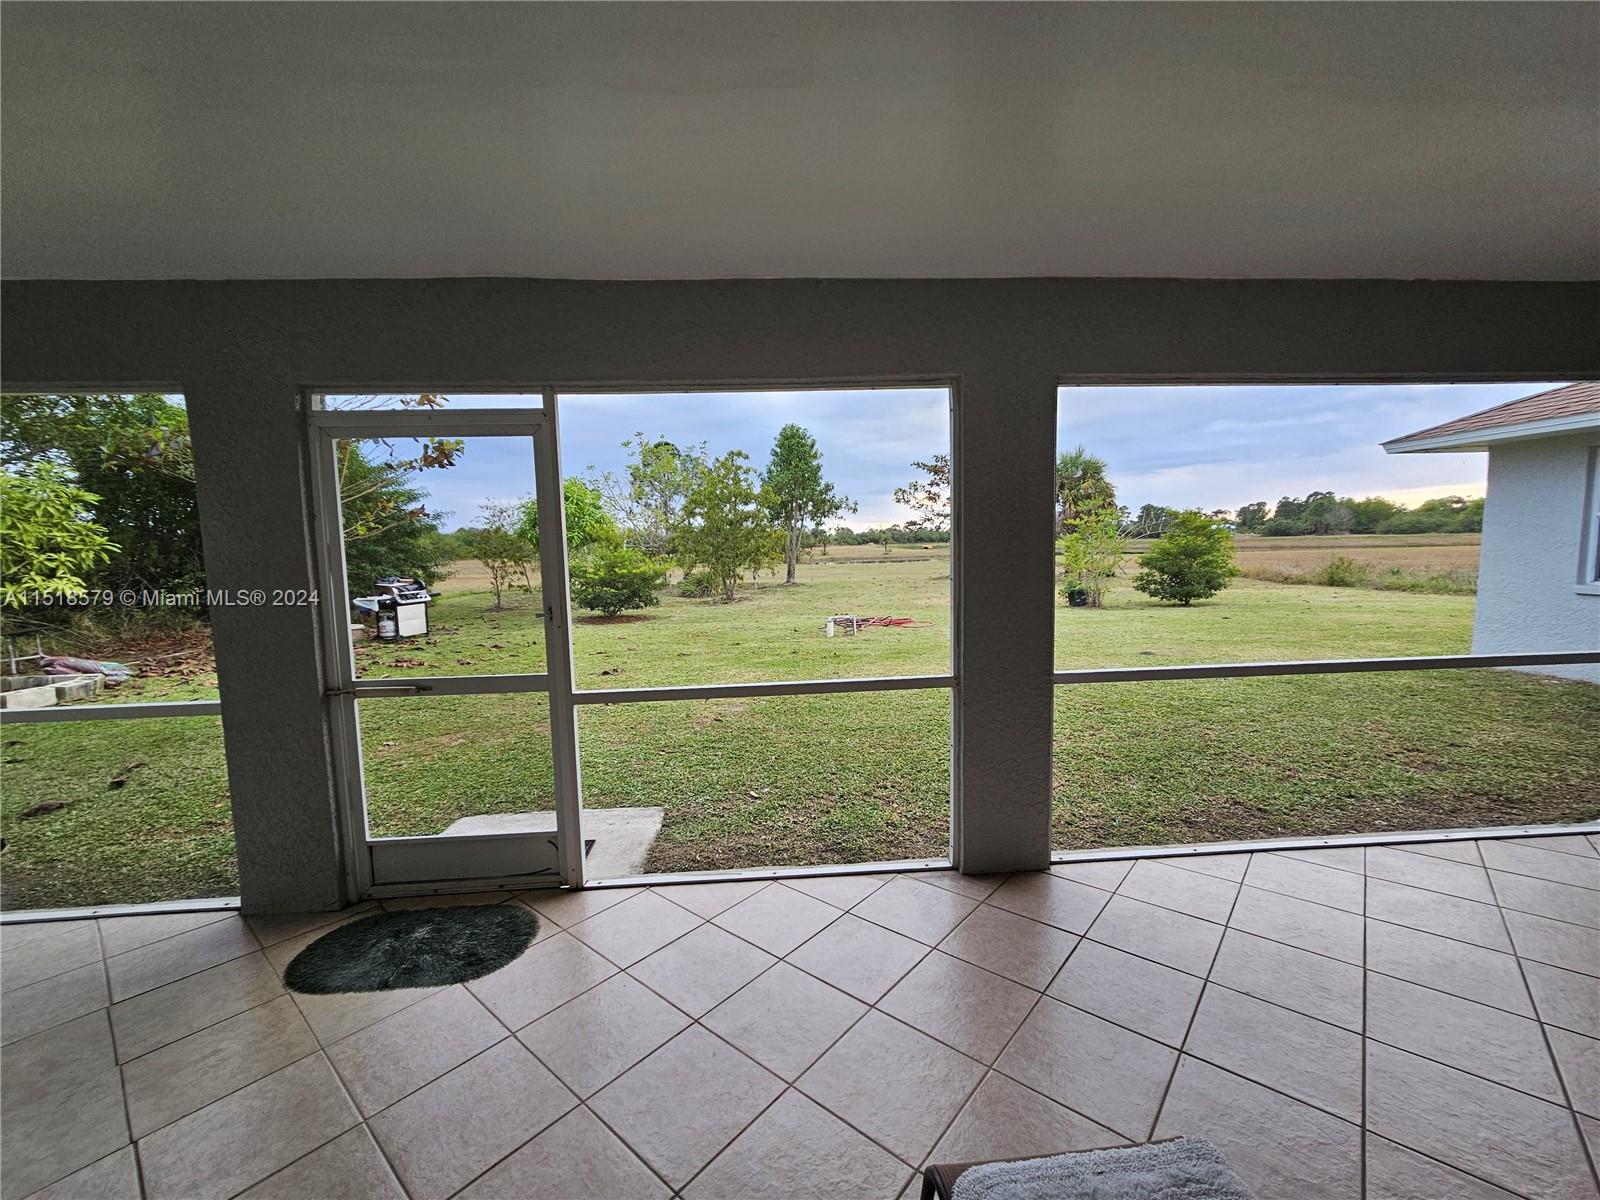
column 1207, row 447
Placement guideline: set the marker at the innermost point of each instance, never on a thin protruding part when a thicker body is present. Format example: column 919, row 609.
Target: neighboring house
column 1539, row 571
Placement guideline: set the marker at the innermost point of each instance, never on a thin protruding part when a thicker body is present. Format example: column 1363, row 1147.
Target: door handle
column 382, row 689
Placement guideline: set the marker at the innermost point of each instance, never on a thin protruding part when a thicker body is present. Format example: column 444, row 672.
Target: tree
column 648, row 504
column 1443, row 514
column 1092, row 551
column 388, row 530
column 1152, row 521
column 724, row 527
column 1366, row 515
column 929, row 496
column 615, row 578
column 1193, row 560
column 796, row 495
column 1081, row 486
column 502, row 552
column 48, row 542
column 1252, row 516
column 588, row 522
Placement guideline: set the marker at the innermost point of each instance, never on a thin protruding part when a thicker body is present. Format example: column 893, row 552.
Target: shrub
column 697, row 585
column 1341, row 571
column 1193, row 560
column 616, row 578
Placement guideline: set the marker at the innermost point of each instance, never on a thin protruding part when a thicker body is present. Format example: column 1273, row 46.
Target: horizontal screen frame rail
column 730, row 691
column 1324, row 666
column 111, row 712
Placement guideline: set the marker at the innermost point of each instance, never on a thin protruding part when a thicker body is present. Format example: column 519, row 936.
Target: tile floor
column 1419, row 1023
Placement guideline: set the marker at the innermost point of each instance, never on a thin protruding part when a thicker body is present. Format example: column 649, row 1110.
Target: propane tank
column 388, row 626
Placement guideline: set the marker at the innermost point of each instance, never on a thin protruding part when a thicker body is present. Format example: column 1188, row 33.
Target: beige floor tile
column 1105, row 1072
column 53, row 1000
column 974, row 887
column 1463, row 851
column 1304, row 881
column 1020, row 948
column 702, row 968
column 1106, row 874
column 189, row 1074
column 1579, row 1060
column 1425, row 871
column 1047, row 897
column 272, row 928
column 1437, row 912
column 708, row 899
column 565, row 908
column 1314, row 927
column 1487, row 1130
column 898, row 1086
column 351, row 1167
column 60, row 1104
column 1565, row 998
column 1305, row 1058
column 165, row 1014
column 392, row 1058
column 545, row 977
column 1566, row 843
column 1590, row 1126
column 1343, row 858
column 785, row 1019
column 1522, row 859
column 1223, row 866
column 1003, row 1119
column 795, row 1146
column 1133, row 992
column 1309, row 983
column 38, row 950
column 245, row 1137
column 1462, row 1033
column 962, row 1005
column 1395, row 1173
column 595, row 1037
column 1159, row 934
column 114, row 1177
column 841, row 891
column 1558, row 943
column 1472, row 972
column 121, row 934
column 577, row 1158
column 859, row 957
column 684, row 1103
column 1190, row 892
column 638, row 926
column 340, row 1014
column 1562, row 901
column 1277, row 1146
column 175, row 957
column 284, row 950
column 916, row 910
column 444, row 1135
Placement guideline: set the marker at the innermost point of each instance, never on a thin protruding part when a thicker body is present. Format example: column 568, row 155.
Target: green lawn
column 846, row 778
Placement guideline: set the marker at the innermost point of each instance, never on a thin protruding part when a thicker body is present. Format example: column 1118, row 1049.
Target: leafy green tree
column 724, row 527
column 1366, row 515
column 1252, row 516
column 504, row 553
column 615, row 578
column 588, row 522
column 928, row 496
column 48, row 542
column 1443, row 514
column 1081, row 486
column 1193, row 560
column 388, row 529
column 1092, row 551
column 1151, row 521
column 795, row 494
column 648, row 504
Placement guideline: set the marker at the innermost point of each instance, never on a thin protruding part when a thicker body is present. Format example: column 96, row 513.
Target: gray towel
column 1181, row 1169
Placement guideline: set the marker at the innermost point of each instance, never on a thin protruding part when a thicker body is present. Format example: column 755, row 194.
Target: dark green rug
column 419, row 947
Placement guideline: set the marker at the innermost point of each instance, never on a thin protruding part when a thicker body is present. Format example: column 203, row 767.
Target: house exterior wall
column 1530, row 595
column 243, row 353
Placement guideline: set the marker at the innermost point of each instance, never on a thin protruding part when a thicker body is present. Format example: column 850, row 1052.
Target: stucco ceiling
column 221, row 140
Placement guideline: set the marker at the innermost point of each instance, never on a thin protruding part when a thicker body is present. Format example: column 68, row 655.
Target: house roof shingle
column 1570, row 400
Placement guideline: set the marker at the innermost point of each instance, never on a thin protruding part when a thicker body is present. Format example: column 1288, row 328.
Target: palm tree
column 1081, row 485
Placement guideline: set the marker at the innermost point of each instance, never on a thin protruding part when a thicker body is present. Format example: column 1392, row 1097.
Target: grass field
column 818, row 779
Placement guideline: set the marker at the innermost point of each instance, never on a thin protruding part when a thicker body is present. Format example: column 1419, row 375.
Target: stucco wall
column 1533, row 531
column 242, row 353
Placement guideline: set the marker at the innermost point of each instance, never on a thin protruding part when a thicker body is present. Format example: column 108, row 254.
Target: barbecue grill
column 401, row 607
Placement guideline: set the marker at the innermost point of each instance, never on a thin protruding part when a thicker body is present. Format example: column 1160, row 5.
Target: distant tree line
column 1323, row 513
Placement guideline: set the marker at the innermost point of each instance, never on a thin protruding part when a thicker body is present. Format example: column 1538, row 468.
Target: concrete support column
column 1005, row 475
column 252, row 482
